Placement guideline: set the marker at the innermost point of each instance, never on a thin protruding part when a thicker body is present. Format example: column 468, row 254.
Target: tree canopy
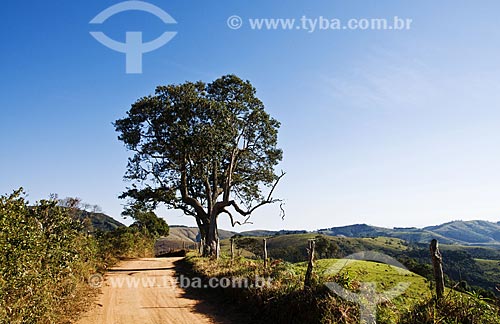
column 147, row 221
column 203, row 148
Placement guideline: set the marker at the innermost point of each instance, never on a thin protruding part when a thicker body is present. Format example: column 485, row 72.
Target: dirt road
column 143, row 291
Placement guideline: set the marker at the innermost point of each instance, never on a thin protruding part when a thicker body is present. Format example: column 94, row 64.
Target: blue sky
column 390, row 128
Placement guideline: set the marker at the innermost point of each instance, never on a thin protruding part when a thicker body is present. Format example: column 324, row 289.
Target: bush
column 44, row 261
column 454, row 308
column 122, row 243
column 46, row 256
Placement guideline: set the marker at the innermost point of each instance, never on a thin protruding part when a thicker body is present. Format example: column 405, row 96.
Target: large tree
column 205, row 149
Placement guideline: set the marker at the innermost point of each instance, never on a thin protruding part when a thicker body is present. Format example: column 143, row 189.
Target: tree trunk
column 211, row 239
column 437, row 263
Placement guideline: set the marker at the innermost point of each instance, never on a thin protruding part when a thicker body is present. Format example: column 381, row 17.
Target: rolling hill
column 471, row 233
column 99, row 221
column 471, row 249
column 190, row 234
column 466, row 233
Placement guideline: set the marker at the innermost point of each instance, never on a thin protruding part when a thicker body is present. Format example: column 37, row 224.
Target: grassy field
column 379, row 243
column 384, row 276
column 468, row 265
column 286, row 300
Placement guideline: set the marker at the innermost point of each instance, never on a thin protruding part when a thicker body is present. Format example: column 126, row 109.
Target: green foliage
column 460, row 264
column 197, row 126
column 44, row 260
column 325, row 248
column 146, row 221
column 204, row 149
column 454, row 308
column 250, row 244
column 98, row 221
column 293, row 247
column 286, row 301
column 46, row 256
column 124, row 242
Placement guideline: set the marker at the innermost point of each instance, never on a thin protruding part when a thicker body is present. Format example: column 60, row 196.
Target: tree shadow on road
column 210, row 301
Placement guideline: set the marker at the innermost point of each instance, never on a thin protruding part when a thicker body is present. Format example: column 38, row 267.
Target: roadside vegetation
column 47, row 253
column 469, row 269
column 286, row 300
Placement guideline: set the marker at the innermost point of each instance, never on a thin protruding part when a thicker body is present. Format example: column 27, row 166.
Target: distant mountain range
column 472, row 233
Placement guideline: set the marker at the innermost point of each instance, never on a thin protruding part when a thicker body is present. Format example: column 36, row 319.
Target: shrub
column 44, row 261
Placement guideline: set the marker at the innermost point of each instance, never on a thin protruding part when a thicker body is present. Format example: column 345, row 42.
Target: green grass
column 293, row 248
column 460, row 262
column 354, row 273
column 375, row 243
column 287, row 301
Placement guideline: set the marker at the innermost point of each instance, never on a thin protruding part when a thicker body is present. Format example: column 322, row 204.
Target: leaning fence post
column 437, row 264
column 264, row 241
column 310, row 265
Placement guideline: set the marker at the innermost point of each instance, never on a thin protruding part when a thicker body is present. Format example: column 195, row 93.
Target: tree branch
column 269, row 200
column 233, row 222
column 185, row 195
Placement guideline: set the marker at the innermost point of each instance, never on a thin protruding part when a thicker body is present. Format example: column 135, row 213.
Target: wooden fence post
column 217, row 249
column 437, row 264
column 232, row 248
column 200, row 247
column 264, row 241
column 310, row 265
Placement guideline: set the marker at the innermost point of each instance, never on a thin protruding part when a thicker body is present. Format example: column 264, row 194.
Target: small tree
column 147, row 221
column 205, row 149
column 250, row 244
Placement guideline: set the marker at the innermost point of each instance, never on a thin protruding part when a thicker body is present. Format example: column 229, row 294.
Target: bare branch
column 269, row 200
column 233, row 222
column 275, row 184
column 282, row 211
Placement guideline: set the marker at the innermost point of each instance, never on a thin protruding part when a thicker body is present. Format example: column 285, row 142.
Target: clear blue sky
column 390, row 128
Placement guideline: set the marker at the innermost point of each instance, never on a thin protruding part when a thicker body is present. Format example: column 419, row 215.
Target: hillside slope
column 99, row 221
column 474, row 233
column 469, row 232
column 190, row 234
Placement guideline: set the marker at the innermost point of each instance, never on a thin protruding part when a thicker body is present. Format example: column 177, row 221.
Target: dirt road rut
column 142, row 291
